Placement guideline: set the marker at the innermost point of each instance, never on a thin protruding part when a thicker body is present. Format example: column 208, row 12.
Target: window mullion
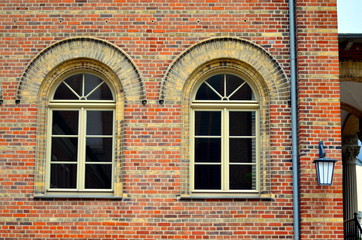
column 225, row 150
column 81, row 147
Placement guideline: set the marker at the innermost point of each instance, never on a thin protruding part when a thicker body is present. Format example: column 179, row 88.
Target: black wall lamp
column 324, row 167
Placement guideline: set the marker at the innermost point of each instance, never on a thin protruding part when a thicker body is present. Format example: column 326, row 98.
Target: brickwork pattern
column 151, row 39
column 319, row 115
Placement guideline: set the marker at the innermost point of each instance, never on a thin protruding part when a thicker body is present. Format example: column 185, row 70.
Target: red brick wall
column 319, row 120
column 153, row 34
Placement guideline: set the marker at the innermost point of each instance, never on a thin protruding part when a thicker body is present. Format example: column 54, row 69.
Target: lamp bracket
column 322, row 154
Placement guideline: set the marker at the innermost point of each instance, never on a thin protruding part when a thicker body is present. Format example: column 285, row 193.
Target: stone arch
column 251, row 56
column 250, row 62
column 80, row 48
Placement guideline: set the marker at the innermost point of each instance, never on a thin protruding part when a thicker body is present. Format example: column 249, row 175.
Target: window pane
column 98, row 176
column 91, row 82
column 101, row 93
column 243, row 93
column 65, row 123
column 242, row 177
column 75, row 82
column 207, row 123
column 99, row 150
column 242, row 123
column 63, row 175
column 99, row 122
column 63, row 92
column 206, row 93
column 64, row 149
column 207, row 150
column 208, row 177
column 242, row 150
column 217, row 82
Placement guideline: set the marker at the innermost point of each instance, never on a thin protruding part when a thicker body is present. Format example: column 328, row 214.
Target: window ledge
column 47, row 196
column 269, row 197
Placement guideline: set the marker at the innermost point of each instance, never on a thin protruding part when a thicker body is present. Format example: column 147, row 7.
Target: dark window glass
column 64, row 149
column 99, row 150
column 63, row 175
column 99, row 122
column 241, row 150
column 242, row 123
column 207, row 123
column 75, row 82
column 217, row 83
column 206, row 93
column 65, row 122
column 207, row 150
column 91, row 82
column 64, row 92
column 208, row 177
column 101, row 93
column 243, row 93
column 98, row 176
column 242, row 177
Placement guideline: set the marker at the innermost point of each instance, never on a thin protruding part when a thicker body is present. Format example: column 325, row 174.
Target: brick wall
column 153, row 37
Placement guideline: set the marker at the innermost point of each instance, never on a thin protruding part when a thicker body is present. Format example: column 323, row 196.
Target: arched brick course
column 74, row 48
column 247, row 53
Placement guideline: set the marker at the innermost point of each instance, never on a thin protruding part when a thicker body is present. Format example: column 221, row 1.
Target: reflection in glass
column 99, row 122
column 242, row 177
column 65, row 122
column 63, row 175
column 207, row 123
column 207, row 149
column 208, row 177
column 98, row 176
column 99, row 150
column 64, row 149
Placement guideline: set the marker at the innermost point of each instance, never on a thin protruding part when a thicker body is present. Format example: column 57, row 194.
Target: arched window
column 80, row 151
column 224, row 136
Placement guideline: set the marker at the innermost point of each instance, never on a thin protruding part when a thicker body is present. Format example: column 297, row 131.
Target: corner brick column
column 349, row 155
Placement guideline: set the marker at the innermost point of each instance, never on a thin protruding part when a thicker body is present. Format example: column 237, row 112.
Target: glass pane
column 207, row 123
column 242, row 150
column 98, row 176
column 63, row 175
column 217, row 82
column 65, row 123
column 208, row 177
column 244, row 93
column 99, row 122
column 63, row 92
column 242, row 177
column 64, row 149
column 242, row 123
column 91, row 81
column 75, row 82
column 206, row 93
column 99, row 150
column 207, row 150
column 101, row 93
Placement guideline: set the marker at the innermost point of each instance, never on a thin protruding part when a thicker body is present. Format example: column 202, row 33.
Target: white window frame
column 82, row 106
column 224, row 107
